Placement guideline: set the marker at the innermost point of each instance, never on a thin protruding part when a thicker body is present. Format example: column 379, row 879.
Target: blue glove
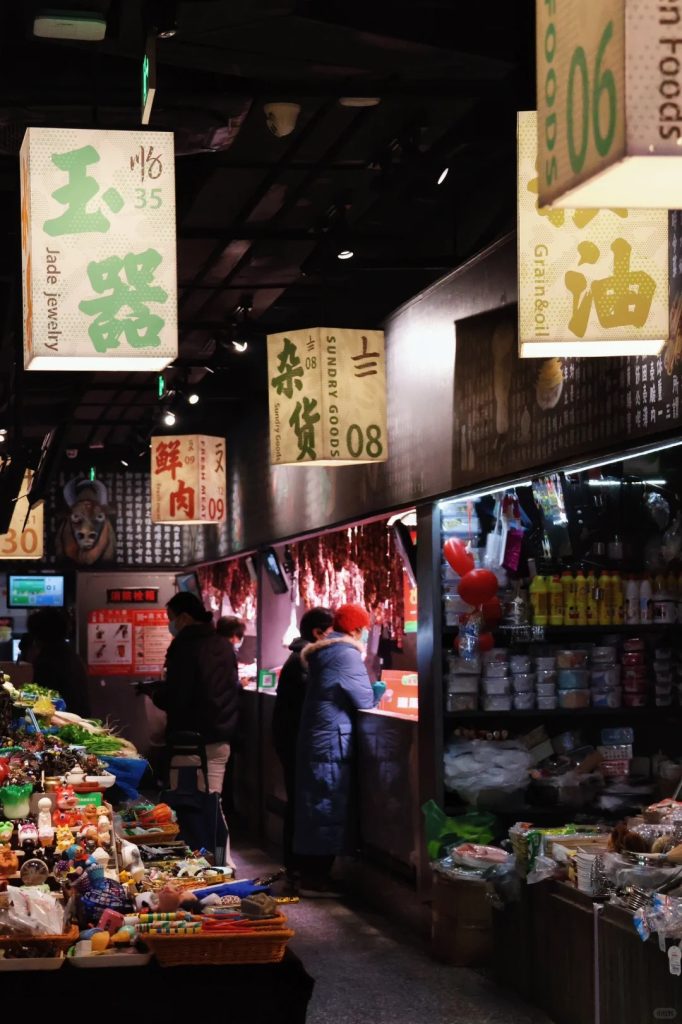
column 379, row 690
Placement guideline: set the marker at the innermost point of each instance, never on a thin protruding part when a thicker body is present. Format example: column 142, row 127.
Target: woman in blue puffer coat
column 338, row 685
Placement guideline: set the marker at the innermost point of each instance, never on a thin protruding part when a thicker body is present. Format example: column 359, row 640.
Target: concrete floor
column 365, row 969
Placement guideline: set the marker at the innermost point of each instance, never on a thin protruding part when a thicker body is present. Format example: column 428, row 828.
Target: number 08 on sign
column 327, row 392
column 609, row 88
column 189, row 479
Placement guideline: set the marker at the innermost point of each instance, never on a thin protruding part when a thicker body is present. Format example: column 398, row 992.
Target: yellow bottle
column 556, row 602
column 617, row 600
column 605, row 602
column 581, row 599
column 592, row 604
column 539, row 599
column 570, row 611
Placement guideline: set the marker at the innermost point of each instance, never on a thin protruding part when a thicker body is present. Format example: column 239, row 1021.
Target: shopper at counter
column 338, row 685
column 56, row 665
column 316, row 623
column 201, row 690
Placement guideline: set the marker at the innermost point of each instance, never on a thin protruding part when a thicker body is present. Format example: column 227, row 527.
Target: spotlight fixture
column 124, row 463
column 240, row 346
column 443, row 175
column 345, row 254
column 193, row 398
column 169, row 419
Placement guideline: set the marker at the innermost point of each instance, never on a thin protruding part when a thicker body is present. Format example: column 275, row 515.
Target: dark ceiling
column 260, row 218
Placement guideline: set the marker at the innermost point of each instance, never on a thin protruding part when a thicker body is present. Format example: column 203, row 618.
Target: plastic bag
column 29, row 911
column 128, row 772
column 472, row 766
column 443, row 832
column 543, row 868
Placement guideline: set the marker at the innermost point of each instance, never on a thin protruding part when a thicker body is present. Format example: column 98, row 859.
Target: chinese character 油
column 289, row 369
column 168, row 458
column 303, row 420
column 182, row 500
column 130, row 297
column 621, row 300
column 77, row 193
column 366, row 362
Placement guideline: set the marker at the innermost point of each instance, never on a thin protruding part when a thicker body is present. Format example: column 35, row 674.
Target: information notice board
column 513, row 415
column 127, row 642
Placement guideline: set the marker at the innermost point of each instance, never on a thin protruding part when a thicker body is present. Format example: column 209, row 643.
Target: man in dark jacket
column 201, row 691
column 291, row 687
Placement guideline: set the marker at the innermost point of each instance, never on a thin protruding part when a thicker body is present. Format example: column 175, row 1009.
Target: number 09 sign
column 189, row 480
column 327, row 393
column 609, row 88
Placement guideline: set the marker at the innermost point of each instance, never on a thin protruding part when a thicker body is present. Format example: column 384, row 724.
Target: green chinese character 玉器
column 79, row 190
column 122, row 306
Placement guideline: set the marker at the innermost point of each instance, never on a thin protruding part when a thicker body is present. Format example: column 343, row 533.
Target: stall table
column 545, row 949
column 230, row 994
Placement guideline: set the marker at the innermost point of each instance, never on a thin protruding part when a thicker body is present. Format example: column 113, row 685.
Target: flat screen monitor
column 189, row 583
column 35, row 592
column 16, row 649
column 274, row 571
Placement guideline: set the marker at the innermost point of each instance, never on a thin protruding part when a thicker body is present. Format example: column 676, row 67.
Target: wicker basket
column 161, row 835
column 264, row 945
column 61, row 942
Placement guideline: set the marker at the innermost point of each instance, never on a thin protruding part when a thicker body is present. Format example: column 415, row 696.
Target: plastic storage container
column 547, row 703
column 524, row 701
column 462, row 702
column 463, row 684
column 496, row 687
column 571, row 659
column 574, row 700
column 519, row 663
column 496, row 656
column 545, row 689
column 523, row 682
column 545, row 663
column 547, row 675
column 573, row 679
column 604, row 678
column 604, row 655
column 498, row 670
column 497, row 704
column 607, row 698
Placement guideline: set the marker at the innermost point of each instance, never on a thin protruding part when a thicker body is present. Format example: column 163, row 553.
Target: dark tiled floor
column 367, row 970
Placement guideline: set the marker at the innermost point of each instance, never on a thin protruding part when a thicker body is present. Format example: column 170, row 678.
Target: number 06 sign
column 609, row 88
column 327, row 390
column 189, row 479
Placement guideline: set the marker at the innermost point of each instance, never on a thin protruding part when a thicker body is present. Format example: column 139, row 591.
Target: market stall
column 84, row 884
column 561, row 754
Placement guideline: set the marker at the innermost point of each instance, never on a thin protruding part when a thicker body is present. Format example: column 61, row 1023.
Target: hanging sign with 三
column 591, row 282
column 327, row 396
column 189, row 479
column 609, row 93
column 98, row 245
column 25, row 539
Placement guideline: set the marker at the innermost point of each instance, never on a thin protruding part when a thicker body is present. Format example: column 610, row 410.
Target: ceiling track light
column 240, row 346
column 193, row 398
column 443, row 175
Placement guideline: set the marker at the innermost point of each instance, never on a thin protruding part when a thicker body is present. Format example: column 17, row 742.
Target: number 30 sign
column 23, row 543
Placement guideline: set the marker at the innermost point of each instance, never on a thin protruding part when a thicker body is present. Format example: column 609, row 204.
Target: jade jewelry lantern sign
column 98, row 249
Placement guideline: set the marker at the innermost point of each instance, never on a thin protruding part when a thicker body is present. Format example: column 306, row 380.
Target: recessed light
column 124, row 463
column 345, row 254
column 443, row 175
column 169, row 419
column 193, row 399
column 240, row 346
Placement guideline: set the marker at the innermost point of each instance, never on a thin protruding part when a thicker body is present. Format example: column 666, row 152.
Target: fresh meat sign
column 189, row 479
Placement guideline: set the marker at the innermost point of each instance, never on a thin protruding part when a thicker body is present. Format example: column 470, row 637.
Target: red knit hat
column 350, row 617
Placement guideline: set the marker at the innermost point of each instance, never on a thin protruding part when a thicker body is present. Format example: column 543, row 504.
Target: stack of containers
column 605, row 678
column 546, row 682
column 635, row 674
column 523, row 682
column 663, row 676
column 573, row 679
column 463, row 684
column 496, row 680
column 616, row 752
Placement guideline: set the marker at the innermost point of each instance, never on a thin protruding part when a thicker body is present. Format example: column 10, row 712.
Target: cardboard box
column 461, row 921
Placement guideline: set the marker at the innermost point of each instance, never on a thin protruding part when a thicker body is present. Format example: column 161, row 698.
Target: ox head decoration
column 86, row 535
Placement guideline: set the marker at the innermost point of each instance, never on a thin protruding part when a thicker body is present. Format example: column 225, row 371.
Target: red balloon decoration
column 457, row 556
column 492, row 611
column 486, row 642
column 478, row 586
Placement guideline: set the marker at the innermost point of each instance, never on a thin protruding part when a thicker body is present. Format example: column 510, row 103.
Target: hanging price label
column 675, row 960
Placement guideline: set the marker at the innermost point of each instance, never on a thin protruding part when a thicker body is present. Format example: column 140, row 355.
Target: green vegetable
column 80, row 737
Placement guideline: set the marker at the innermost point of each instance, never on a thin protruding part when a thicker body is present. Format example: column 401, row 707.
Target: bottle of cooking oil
column 617, row 599
column 539, row 599
column 605, row 599
column 592, row 603
column 556, row 602
column 581, row 599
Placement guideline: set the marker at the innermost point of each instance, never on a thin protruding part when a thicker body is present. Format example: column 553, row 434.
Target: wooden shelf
column 564, row 713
